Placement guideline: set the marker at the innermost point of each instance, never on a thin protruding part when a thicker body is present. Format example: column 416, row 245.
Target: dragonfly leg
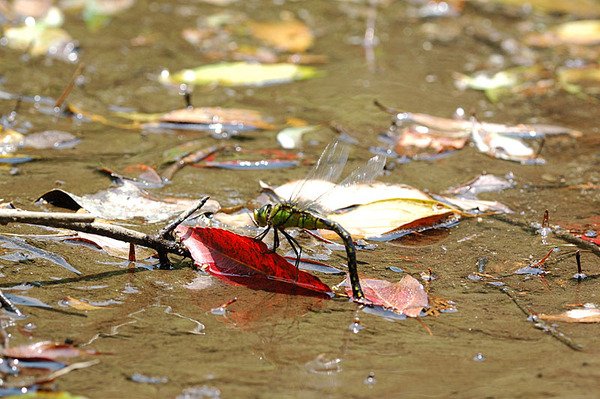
column 295, row 247
column 263, row 234
column 275, row 239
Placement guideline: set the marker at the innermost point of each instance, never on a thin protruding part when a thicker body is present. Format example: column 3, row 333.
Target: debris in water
column 144, row 379
column 579, row 275
column 201, row 392
column 370, row 380
column 479, row 357
column 355, row 326
column 322, row 365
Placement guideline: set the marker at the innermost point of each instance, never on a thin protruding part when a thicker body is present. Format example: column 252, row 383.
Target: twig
column 541, row 325
column 20, row 216
column 155, row 242
column 192, row 158
column 166, row 231
column 560, row 234
column 69, row 88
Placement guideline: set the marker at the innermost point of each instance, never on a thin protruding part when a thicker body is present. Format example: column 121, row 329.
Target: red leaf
column 406, row 296
column 244, row 261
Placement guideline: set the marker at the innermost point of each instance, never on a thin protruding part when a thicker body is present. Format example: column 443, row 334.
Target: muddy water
column 277, row 346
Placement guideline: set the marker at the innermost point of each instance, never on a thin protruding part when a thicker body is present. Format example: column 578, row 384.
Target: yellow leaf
column 291, row 35
column 81, row 305
column 384, row 217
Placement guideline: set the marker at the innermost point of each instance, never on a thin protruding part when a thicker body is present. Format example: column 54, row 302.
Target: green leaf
column 242, row 74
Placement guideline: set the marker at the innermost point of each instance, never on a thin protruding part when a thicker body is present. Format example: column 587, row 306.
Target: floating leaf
column 291, row 137
column 33, row 252
column 580, row 80
column 242, row 74
column 505, row 147
column 26, row 301
column 584, row 315
column 50, row 139
column 411, row 142
column 245, row 261
column 81, row 305
column 579, row 8
column 380, row 218
column 41, row 40
column 125, row 202
column 406, row 296
column 10, row 140
column 288, row 35
column 44, row 350
column 487, row 183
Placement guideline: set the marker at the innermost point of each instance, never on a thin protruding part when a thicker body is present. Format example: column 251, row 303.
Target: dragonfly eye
column 261, row 215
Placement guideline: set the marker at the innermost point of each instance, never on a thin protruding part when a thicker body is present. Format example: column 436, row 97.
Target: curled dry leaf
column 125, row 202
column 406, row 296
column 241, row 260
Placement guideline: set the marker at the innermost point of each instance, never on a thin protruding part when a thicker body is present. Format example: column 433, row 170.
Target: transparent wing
column 366, row 173
column 329, row 168
column 334, row 198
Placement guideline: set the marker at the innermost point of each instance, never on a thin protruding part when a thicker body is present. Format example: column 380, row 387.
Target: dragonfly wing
column 329, row 168
column 366, row 173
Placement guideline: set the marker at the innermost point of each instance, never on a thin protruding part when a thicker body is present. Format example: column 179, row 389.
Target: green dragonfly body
column 306, row 210
column 280, row 216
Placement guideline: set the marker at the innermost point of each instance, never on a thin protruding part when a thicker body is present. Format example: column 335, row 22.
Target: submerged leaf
column 80, row 305
column 245, row 261
column 44, row 350
column 288, row 35
column 34, row 252
column 50, row 139
column 242, row 74
column 406, row 296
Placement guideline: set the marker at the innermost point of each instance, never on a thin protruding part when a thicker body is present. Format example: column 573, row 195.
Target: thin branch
column 166, row 231
column 20, row 216
column 160, row 244
column 541, row 325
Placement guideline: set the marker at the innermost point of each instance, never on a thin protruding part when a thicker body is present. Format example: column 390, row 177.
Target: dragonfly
column 302, row 211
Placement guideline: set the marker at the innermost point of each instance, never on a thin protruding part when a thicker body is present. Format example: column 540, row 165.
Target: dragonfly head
column 261, row 215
